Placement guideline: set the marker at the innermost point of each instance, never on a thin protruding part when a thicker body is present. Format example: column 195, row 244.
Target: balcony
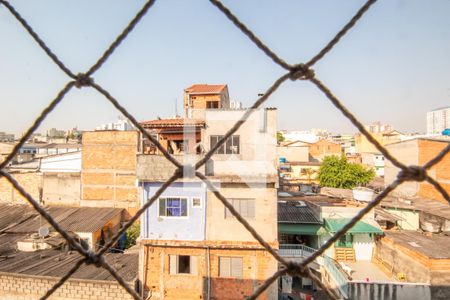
column 295, row 250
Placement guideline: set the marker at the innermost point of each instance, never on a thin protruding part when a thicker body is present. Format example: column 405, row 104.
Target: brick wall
column 32, row 182
column 441, row 171
column 257, row 266
column 108, row 175
column 324, row 148
column 25, row 287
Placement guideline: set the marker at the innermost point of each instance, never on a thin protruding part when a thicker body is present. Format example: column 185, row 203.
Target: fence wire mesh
column 299, row 71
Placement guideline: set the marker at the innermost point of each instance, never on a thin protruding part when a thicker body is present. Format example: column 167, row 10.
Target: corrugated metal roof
column 22, row 219
column 56, row 263
column 295, row 212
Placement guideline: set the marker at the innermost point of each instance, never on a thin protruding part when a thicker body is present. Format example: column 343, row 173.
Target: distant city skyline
column 393, row 67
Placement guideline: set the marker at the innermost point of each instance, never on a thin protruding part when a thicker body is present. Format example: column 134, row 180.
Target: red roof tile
column 175, row 122
column 206, row 88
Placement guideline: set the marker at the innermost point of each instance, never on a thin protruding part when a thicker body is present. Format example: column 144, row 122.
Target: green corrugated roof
column 304, row 229
column 333, row 225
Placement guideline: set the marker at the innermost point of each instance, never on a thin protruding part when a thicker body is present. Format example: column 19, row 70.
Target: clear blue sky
column 393, row 66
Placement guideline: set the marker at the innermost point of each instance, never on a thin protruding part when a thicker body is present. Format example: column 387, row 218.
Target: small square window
column 196, row 202
column 182, row 264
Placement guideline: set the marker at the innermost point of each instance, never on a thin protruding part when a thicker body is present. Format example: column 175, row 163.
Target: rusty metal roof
column 22, row 219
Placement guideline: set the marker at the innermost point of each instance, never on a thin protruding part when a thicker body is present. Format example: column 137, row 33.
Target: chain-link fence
column 301, row 71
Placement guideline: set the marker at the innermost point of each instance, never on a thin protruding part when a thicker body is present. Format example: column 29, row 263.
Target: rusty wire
column 295, row 72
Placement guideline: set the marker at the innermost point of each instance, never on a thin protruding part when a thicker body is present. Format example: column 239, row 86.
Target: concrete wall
column 388, row 291
column 219, row 228
column 363, row 245
column 257, row 134
column 432, row 223
column 5, row 149
column 298, row 173
column 375, row 161
column 416, row 266
column 257, row 266
column 191, row 227
column 62, row 189
column 300, row 153
column 108, row 176
column 343, row 212
column 363, row 145
column 156, row 168
column 31, row 182
column 408, row 153
column 24, row 287
column 411, row 218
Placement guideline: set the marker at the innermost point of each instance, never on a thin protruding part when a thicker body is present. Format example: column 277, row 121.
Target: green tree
column 132, row 234
column 280, row 137
column 337, row 172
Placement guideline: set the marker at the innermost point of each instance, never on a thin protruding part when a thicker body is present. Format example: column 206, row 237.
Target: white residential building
column 438, row 120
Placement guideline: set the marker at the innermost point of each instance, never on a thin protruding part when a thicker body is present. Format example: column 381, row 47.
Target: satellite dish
column 43, row 231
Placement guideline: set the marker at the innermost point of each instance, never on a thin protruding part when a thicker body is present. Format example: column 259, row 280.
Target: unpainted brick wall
column 32, row 182
column 257, row 266
column 25, row 287
column 108, row 175
column 440, row 172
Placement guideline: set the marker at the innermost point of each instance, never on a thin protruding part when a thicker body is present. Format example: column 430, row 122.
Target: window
column 212, row 104
column 196, row 202
column 182, row 264
column 173, row 207
column 230, row 267
column 345, row 241
column 231, row 146
column 245, row 207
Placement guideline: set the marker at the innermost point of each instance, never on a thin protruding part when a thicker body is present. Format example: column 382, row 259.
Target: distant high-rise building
column 438, row 120
column 122, row 124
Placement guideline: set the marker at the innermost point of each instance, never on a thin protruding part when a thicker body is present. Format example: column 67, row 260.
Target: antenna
column 176, row 107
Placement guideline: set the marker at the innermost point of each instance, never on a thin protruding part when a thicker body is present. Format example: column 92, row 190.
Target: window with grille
column 231, row 146
column 182, row 264
column 230, row 267
column 173, row 207
column 245, row 207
